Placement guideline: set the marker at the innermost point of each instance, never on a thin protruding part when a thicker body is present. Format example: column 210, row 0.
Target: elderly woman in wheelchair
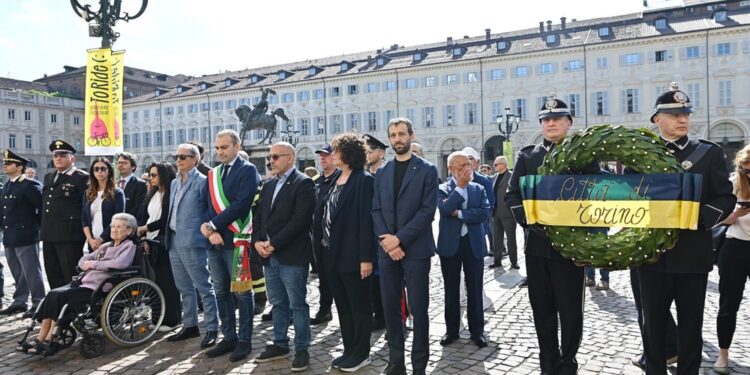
column 126, row 311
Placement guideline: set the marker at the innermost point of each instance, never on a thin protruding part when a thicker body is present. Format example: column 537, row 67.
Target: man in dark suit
column 322, row 186
column 463, row 209
column 403, row 208
column 20, row 213
column 555, row 283
column 230, row 191
column 133, row 186
column 681, row 274
column 62, row 202
column 281, row 236
column 502, row 218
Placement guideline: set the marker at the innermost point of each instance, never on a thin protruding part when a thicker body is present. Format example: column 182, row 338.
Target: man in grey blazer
column 188, row 248
column 502, row 219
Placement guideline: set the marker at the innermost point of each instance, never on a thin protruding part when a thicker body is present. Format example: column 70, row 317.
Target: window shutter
column 651, row 57
column 714, row 50
column 623, row 101
column 635, row 101
column 670, row 55
column 593, row 104
column 605, row 105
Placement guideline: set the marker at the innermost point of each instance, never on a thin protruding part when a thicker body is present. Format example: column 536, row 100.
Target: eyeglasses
column 275, row 157
column 745, row 171
column 101, row 169
column 153, row 175
column 183, row 156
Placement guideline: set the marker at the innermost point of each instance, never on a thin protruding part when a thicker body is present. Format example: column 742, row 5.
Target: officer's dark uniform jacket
column 21, row 211
column 62, row 204
column 529, row 159
column 693, row 252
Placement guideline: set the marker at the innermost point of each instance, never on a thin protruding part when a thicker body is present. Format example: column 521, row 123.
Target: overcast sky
column 197, row 37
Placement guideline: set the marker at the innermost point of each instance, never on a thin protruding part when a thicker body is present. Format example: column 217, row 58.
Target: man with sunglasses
column 20, row 214
column 62, row 204
column 281, row 237
column 188, row 248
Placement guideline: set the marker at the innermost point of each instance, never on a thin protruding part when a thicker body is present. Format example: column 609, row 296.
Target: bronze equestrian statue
column 257, row 118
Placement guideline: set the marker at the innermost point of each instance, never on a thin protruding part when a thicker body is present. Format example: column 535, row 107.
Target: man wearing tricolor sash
column 231, row 187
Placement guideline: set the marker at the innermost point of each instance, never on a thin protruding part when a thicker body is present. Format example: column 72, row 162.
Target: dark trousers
column 165, row 281
column 688, row 291
column 473, row 269
column 672, row 339
column 415, row 274
column 324, row 288
column 377, row 299
column 259, row 279
column 61, row 260
column 352, row 296
column 734, row 270
column 556, row 292
column 505, row 227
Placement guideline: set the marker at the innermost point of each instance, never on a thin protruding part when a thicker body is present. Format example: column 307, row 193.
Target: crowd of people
column 365, row 226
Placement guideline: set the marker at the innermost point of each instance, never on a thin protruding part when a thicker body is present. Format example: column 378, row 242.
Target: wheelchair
column 128, row 315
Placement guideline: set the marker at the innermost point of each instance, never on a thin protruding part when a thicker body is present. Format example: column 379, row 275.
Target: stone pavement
column 611, row 338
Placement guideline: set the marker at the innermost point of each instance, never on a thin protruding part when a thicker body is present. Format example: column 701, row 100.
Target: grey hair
column 288, row 146
column 243, row 155
column 128, row 219
column 193, row 149
column 456, row 154
column 501, row 159
column 231, row 134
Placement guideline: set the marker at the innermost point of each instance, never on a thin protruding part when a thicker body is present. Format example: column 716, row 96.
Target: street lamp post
column 290, row 135
column 507, row 124
column 103, row 20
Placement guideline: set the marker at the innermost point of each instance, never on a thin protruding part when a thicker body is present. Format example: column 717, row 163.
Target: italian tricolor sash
column 242, row 229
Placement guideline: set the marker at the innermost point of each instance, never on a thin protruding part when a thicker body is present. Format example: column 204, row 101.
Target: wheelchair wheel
column 92, row 346
column 130, row 310
column 66, row 337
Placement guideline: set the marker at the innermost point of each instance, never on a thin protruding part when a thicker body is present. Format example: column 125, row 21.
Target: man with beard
column 403, row 208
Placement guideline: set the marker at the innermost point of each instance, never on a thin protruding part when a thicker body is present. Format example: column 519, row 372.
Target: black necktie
column 225, row 171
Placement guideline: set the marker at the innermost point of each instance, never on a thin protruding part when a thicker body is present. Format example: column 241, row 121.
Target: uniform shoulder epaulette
column 709, row 142
column 80, row 172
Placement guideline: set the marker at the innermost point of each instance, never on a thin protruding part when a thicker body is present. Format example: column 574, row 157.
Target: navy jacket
column 287, row 221
column 240, row 186
column 21, row 212
column 477, row 212
column 352, row 239
column 110, row 207
column 62, row 202
column 409, row 215
column 135, row 197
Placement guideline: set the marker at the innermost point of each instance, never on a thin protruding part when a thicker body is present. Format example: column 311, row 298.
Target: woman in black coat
column 152, row 227
column 346, row 233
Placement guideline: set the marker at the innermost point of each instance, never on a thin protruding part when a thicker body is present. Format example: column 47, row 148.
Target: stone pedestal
column 258, row 156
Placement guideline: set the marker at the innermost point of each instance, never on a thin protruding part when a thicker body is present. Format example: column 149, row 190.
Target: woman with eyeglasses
column 734, row 260
column 348, row 242
column 103, row 199
column 152, row 227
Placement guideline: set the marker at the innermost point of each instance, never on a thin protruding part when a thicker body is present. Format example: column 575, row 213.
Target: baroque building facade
column 610, row 71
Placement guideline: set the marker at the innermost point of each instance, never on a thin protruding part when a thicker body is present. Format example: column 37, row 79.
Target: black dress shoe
column 223, row 347
column 209, row 339
column 13, row 309
column 479, row 341
column 241, row 351
column 448, row 339
column 395, row 369
column 184, row 334
column 494, row 265
column 524, row 283
column 29, row 313
column 418, row 372
column 515, row 267
column 321, row 317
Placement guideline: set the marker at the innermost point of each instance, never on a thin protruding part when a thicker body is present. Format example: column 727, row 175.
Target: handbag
column 718, row 234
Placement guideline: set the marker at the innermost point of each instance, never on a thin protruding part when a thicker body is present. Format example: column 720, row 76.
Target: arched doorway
column 493, row 148
column 448, row 146
column 731, row 138
column 305, row 159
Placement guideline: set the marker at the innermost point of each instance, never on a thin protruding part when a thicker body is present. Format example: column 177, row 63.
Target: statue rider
column 261, row 107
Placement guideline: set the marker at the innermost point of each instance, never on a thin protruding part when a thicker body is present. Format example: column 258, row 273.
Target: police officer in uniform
column 681, row 274
column 375, row 160
column 555, row 283
column 20, row 215
column 62, row 204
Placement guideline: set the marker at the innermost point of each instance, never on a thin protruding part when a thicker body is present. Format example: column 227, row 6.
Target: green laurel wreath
column 640, row 151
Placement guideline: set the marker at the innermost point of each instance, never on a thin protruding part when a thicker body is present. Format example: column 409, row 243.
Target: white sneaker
column 166, row 328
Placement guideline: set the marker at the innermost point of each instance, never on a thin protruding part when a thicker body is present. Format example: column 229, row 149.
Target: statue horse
column 261, row 121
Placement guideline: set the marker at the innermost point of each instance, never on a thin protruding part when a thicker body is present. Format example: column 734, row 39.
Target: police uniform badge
column 551, row 103
column 680, row 97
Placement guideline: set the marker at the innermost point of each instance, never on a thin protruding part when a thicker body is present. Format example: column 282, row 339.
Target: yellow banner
column 103, row 112
column 508, row 153
column 613, row 213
